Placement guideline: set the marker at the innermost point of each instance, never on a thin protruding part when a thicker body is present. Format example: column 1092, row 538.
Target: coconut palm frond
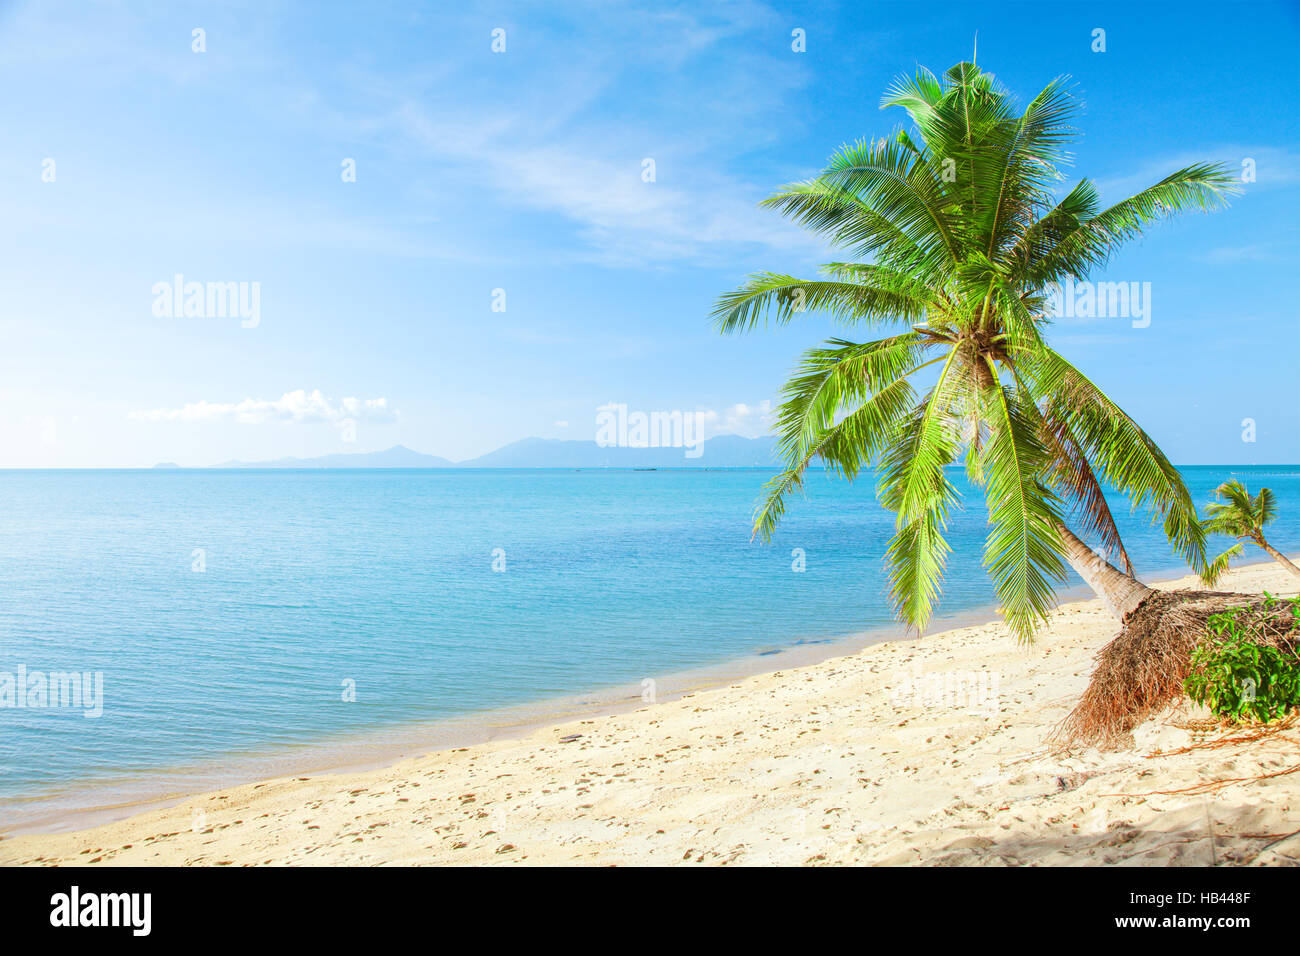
column 1122, row 452
column 1023, row 551
column 914, row 486
column 1203, row 187
column 1074, row 477
column 871, row 381
column 1215, row 569
column 955, row 231
column 780, row 298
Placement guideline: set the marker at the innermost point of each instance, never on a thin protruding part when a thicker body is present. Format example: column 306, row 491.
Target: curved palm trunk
column 1278, row 556
column 1121, row 593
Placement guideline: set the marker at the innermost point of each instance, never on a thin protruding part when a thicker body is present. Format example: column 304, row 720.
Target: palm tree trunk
column 1121, row 593
column 1278, row 556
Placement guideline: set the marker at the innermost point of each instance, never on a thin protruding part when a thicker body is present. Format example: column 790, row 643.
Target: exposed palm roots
column 1142, row 670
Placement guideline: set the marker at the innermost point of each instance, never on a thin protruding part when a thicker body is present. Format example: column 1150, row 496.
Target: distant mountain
column 166, row 464
column 724, row 451
column 399, row 456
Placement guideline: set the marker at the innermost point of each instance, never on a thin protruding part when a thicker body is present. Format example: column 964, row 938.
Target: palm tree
column 956, row 236
column 1238, row 515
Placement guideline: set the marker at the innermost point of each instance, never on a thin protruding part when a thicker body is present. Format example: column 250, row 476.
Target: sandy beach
column 930, row 751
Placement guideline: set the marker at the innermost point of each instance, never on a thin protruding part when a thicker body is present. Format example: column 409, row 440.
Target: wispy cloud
column 688, row 210
column 1228, row 255
column 1084, row 341
column 566, row 144
column 1271, row 166
column 297, row 407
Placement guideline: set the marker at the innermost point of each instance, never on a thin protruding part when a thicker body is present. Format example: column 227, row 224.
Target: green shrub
column 1247, row 667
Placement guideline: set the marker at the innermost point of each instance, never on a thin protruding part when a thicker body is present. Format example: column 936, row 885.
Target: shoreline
column 683, row 773
column 343, row 753
column 119, row 799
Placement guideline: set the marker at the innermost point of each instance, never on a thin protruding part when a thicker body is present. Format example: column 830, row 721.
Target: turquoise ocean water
column 387, row 581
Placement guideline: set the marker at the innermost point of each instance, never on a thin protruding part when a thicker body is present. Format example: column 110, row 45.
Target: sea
column 231, row 625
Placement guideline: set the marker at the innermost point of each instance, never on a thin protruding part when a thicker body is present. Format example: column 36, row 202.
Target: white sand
column 825, row 764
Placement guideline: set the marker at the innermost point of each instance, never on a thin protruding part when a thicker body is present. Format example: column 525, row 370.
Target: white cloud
column 299, row 407
column 749, row 421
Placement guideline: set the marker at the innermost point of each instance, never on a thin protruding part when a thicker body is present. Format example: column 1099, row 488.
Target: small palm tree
column 1238, row 515
column 958, row 234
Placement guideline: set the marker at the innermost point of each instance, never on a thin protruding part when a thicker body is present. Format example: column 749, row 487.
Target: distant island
column 724, row 451
column 399, row 456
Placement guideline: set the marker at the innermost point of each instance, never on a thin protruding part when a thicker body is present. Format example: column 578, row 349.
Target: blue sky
column 522, row 171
